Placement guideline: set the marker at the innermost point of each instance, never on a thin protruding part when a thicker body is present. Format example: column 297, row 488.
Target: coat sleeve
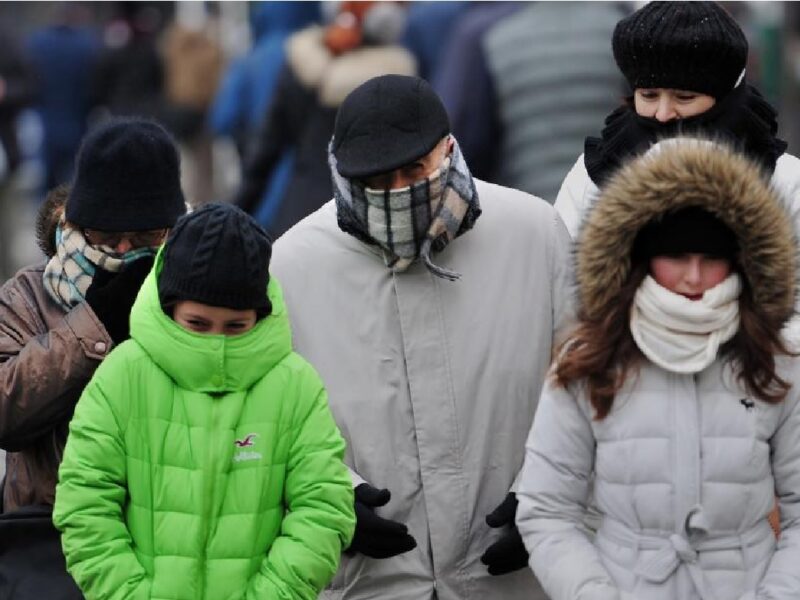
column 90, row 497
column 562, row 283
column 782, row 579
column 553, row 494
column 42, row 371
column 319, row 520
column 573, row 197
column 786, row 182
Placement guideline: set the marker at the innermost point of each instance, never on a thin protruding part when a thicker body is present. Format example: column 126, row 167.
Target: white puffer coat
column 685, row 467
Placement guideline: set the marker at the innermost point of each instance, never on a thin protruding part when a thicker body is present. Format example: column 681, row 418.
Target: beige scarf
column 682, row 335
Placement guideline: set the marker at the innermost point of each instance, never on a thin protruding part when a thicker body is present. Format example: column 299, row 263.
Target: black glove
column 111, row 296
column 508, row 553
column 377, row 537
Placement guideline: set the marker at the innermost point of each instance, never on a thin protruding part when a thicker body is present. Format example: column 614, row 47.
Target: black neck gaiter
column 743, row 119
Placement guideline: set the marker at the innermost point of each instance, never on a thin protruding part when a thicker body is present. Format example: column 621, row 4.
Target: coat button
column 216, row 380
column 100, row 347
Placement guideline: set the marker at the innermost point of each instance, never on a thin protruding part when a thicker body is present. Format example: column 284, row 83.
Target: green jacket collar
column 209, row 363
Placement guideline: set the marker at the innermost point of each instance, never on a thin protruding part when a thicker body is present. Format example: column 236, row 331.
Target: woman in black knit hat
column 685, row 64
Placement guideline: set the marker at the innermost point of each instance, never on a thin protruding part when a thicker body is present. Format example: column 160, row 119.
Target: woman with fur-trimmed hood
column 675, row 393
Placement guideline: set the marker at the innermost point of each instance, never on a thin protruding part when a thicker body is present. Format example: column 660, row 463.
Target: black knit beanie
column 217, row 255
column 127, row 178
column 692, row 46
column 686, row 231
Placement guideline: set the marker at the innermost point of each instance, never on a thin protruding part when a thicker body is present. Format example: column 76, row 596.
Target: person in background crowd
column 193, row 65
column 463, row 81
column 685, row 65
column 676, row 390
column 553, row 79
column 63, row 57
column 203, row 460
column 249, row 82
column 429, row 301
column 323, row 65
column 17, row 90
column 59, row 320
column 128, row 79
column 427, row 31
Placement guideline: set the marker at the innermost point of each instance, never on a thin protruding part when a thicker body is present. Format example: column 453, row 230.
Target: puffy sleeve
column 782, row 579
column 576, row 194
column 553, row 494
column 42, row 371
column 91, row 493
column 320, row 518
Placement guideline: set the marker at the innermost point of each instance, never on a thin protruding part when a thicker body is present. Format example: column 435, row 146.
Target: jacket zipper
column 208, row 491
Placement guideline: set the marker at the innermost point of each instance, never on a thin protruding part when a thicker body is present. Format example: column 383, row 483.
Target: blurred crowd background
column 250, row 96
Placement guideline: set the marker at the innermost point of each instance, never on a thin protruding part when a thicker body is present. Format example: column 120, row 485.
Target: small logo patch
column 748, row 404
column 242, row 456
column 247, row 442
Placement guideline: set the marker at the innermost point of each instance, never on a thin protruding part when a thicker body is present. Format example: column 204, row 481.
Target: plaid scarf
column 70, row 271
column 410, row 222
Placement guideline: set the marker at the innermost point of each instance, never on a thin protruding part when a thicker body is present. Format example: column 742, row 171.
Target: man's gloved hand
column 111, row 296
column 508, row 553
column 377, row 537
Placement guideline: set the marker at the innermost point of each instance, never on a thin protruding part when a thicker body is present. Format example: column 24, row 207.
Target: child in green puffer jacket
column 203, row 461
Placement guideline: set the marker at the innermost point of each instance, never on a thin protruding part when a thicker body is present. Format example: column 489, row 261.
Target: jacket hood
column 680, row 173
column 209, row 363
column 48, row 217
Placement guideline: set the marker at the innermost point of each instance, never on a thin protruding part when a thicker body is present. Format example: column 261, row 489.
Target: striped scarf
column 410, row 222
column 69, row 272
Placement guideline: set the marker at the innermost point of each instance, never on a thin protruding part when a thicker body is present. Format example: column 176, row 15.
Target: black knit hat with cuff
column 127, row 178
column 690, row 46
column 386, row 123
column 217, row 255
column 691, row 230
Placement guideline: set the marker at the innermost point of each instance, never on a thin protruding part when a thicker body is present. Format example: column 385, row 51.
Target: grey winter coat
column 433, row 383
column 686, row 467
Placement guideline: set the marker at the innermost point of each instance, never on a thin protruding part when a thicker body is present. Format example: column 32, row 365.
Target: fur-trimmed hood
column 679, row 173
column 48, row 217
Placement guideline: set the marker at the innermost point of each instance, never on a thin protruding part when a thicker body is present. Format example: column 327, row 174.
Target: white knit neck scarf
column 682, row 335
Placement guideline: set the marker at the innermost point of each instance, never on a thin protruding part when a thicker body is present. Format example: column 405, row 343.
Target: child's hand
column 377, row 537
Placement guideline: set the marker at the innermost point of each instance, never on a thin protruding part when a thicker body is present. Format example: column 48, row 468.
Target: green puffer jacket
column 203, row 467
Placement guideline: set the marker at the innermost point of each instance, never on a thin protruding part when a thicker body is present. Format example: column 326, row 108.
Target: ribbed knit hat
column 217, row 255
column 692, row 46
column 127, row 178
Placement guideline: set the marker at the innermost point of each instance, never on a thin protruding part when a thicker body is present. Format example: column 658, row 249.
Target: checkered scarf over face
column 70, row 271
column 410, row 222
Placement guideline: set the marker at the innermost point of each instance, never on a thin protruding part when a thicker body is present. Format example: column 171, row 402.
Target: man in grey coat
column 429, row 302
